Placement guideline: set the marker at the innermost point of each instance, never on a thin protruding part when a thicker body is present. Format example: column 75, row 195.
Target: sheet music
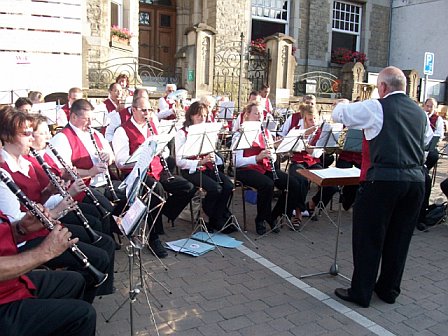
column 48, row 110
column 329, row 135
column 226, row 110
column 333, row 172
column 201, row 139
column 250, row 129
column 132, row 217
column 100, row 116
column 166, row 126
column 291, row 142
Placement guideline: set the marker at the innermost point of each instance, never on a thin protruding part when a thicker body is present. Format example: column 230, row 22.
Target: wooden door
column 157, row 34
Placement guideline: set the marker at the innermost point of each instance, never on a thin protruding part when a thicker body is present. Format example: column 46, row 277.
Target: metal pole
column 241, row 70
column 425, row 93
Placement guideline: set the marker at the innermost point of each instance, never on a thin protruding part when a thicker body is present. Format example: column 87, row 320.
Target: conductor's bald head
column 390, row 79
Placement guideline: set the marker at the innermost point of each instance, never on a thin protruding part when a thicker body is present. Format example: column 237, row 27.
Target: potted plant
column 121, row 35
column 343, row 55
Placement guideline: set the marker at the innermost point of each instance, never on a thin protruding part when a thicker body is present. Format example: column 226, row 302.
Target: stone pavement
column 253, row 291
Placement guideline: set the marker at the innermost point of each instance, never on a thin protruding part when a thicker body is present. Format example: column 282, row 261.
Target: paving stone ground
column 253, row 291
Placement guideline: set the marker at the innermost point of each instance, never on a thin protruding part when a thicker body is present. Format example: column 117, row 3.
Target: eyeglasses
column 144, row 110
column 28, row 132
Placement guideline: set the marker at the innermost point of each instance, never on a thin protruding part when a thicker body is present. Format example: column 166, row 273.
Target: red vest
column 170, row 106
column 365, row 164
column 295, row 118
column 136, row 138
column 125, row 115
column 17, row 288
column 66, row 109
column 31, row 187
column 354, row 157
column 80, row 156
column 433, row 121
column 261, row 167
column 267, row 108
column 110, row 106
column 303, row 156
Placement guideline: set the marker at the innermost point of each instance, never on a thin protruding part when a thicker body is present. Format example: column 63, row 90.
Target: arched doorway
column 157, row 32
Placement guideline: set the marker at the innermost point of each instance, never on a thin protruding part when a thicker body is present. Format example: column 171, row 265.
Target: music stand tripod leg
column 334, row 268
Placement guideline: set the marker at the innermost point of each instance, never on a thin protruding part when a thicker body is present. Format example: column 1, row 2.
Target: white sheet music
column 48, row 110
column 201, row 139
column 330, row 135
column 132, row 216
column 250, row 129
column 333, row 172
column 100, row 116
column 226, row 110
column 292, row 142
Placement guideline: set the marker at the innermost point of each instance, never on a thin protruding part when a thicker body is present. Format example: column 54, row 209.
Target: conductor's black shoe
column 274, row 227
column 422, row 227
column 343, row 294
column 158, row 249
column 260, row 228
column 384, row 298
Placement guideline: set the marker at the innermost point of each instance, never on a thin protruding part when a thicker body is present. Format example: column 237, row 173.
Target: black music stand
column 339, row 177
column 240, row 145
column 201, row 140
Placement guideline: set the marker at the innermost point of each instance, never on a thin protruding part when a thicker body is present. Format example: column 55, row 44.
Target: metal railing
column 318, row 83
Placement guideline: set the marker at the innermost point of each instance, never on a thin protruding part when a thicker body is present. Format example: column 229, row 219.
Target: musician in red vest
column 203, row 171
column 255, row 169
column 127, row 139
column 310, row 158
column 113, row 102
column 17, row 135
column 166, row 105
column 265, row 101
column 253, row 96
column 38, row 303
column 63, row 115
column 391, row 190
column 118, row 118
column 438, row 128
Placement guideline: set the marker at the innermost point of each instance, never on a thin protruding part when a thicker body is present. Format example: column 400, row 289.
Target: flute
column 104, row 213
column 167, row 174
column 94, row 237
column 271, row 162
column 48, row 224
column 110, row 186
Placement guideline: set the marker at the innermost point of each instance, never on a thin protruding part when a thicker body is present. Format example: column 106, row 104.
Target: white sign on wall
column 428, row 68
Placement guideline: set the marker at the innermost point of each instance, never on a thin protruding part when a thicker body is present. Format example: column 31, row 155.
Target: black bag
column 436, row 214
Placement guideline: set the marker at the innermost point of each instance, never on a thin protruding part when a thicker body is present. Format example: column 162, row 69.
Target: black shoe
column 343, row 294
column 229, row 229
column 383, row 297
column 158, row 249
column 274, row 227
column 422, row 227
column 260, row 228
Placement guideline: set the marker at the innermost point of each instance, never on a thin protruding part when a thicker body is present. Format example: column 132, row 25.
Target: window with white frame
column 346, row 25
column 269, row 17
column 116, row 13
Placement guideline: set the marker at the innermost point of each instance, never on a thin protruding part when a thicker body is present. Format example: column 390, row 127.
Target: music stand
column 201, row 140
column 292, row 142
column 339, row 177
column 131, row 227
column 249, row 130
column 353, row 141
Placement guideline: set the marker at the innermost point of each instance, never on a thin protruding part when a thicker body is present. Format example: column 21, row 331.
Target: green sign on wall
column 190, row 75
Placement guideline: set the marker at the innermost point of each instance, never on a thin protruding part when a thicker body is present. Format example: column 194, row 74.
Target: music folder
column 353, row 141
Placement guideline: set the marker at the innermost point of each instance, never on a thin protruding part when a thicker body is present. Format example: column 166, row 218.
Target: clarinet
column 271, row 163
column 166, row 171
column 94, row 237
column 104, row 213
column 216, row 171
column 110, row 186
column 74, row 249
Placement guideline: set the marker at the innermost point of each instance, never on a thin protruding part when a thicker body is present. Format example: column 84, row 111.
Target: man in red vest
column 127, row 139
column 167, row 106
column 74, row 93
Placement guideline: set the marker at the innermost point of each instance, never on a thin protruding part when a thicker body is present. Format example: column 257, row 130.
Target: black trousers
column 432, row 158
column 56, row 310
column 327, row 192
column 181, row 192
column 384, row 217
column 91, row 214
column 101, row 255
column 218, row 195
column 264, row 184
column 349, row 192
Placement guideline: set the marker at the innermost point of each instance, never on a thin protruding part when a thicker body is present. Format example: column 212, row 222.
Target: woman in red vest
column 255, row 169
column 204, row 170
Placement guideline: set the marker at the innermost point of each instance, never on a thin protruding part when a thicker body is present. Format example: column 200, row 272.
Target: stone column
column 282, row 67
column 412, row 80
column 352, row 75
column 199, row 60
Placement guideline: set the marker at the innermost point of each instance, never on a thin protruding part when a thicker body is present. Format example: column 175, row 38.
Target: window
column 269, row 17
column 116, row 13
column 346, row 26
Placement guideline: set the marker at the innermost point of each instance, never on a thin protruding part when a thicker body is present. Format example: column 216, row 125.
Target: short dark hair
column 80, row 106
column 11, row 122
column 23, row 101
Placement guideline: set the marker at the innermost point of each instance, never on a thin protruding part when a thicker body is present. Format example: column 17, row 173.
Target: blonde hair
column 249, row 107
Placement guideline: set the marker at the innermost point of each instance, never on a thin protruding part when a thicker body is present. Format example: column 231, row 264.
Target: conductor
column 392, row 186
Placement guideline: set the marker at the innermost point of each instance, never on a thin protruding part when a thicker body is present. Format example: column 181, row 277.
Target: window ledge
column 118, row 45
